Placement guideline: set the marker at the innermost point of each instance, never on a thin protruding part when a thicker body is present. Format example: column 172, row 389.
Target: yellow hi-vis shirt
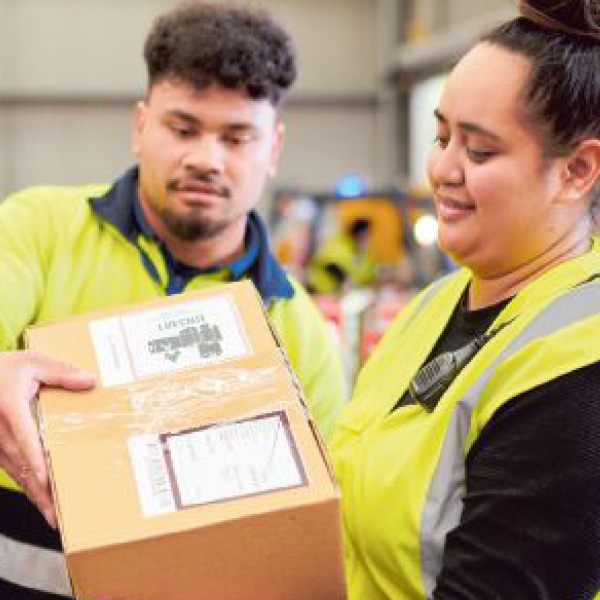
column 340, row 251
column 58, row 258
column 402, row 472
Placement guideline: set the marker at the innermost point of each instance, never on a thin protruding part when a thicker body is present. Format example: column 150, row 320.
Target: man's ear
column 276, row 148
column 139, row 120
column 582, row 170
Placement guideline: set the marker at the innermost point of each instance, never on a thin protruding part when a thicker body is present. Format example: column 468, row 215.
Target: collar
column 120, row 207
column 238, row 267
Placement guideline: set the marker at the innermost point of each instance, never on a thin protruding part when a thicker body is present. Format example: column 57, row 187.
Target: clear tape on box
column 148, row 406
column 177, row 466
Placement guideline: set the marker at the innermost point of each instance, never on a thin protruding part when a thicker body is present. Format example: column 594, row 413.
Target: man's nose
column 206, row 155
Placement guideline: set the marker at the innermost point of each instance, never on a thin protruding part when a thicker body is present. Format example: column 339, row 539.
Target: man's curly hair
column 234, row 46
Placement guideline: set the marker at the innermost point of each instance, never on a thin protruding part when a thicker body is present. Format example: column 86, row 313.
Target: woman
column 478, row 476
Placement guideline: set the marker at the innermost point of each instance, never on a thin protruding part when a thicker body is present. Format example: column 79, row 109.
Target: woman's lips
column 450, row 208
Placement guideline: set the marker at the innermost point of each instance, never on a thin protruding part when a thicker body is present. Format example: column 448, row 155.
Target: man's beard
column 194, row 227
column 191, row 228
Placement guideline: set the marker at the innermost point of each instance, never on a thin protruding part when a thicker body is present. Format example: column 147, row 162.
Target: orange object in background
column 386, row 230
column 291, row 231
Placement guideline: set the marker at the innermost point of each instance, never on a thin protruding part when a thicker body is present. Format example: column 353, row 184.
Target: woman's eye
column 479, row 156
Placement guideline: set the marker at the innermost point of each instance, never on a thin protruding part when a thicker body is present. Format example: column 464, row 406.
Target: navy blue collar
column 120, row 207
column 238, row 267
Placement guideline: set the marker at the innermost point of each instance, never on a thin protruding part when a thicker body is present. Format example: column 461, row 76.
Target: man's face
column 204, row 157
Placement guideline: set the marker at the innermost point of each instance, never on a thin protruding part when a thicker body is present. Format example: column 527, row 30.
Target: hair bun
column 580, row 18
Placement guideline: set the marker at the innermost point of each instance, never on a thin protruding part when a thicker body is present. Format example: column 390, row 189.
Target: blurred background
column 350, row 212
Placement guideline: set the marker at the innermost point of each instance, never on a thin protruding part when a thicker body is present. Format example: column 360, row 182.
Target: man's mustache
column 177, row 184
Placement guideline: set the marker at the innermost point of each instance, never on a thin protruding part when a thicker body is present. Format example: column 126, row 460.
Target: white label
column 111, row 352
column 184, row 335
column 163, row 340
column 152, row 475
column 234, row 460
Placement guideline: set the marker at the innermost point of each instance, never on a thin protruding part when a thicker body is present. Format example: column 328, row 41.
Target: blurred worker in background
column 207, row 137
column 469, row 456
column 345, row 259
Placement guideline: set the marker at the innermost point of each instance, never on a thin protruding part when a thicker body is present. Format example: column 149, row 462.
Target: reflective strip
column 443, row 505
column 428, row 295
column 34, row 567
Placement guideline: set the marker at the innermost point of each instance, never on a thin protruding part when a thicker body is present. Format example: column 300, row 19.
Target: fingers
column 21, row 453
column 29, row 481
column 13, row 461
column 29, row 461
column 55, row 373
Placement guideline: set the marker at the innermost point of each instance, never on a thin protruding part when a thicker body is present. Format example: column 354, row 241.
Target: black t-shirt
column 464, row 326
column 530, row 528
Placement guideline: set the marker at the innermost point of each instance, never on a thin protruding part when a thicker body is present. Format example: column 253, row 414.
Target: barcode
column 151, row 475
column 158, row 477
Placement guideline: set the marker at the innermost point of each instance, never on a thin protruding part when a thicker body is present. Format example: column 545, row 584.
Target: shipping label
column 220, row 462
column 168, row 339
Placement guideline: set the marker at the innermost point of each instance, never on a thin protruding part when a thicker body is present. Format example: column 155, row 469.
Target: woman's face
column 496, row 196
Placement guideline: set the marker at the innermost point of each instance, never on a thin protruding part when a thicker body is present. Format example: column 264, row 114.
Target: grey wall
column 460, row 11
column 438, row 34
column 437, row 16
column 71, row 71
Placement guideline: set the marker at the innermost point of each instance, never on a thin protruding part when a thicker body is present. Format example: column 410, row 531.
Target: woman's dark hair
column 562, row 95
column 233, row 46
column 561, row 40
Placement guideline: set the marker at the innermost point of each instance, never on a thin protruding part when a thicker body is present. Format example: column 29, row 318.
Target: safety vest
column 90, row 260
column 340, row 251
column 402, row 472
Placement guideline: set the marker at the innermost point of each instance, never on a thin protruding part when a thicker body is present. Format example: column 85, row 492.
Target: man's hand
column 21, row 455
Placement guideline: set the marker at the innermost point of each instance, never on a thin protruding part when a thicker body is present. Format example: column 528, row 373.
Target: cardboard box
column 191, row 471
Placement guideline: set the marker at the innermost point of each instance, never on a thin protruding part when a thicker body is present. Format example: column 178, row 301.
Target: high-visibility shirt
column 337, row 261
column 70, row 250
column 402, row 472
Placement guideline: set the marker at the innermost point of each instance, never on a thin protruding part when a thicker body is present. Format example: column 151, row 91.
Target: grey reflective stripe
column 443, row 505
column 34, row 567
column 429, row 293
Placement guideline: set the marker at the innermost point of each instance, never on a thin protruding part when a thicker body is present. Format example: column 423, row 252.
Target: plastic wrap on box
column 192, row 460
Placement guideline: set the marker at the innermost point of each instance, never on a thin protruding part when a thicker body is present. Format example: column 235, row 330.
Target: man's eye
column 479, row 156
column 441, row 141
column 181, row 131
column 237, row 140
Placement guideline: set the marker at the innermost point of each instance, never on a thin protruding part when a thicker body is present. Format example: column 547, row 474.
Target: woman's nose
column 445, row 166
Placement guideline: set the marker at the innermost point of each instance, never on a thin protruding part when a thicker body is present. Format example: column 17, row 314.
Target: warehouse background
column 71, row 70
column 359, row 124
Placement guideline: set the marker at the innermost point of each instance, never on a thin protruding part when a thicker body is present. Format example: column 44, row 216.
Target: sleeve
column 530, row 526
column 310, row 344
column 24, row 240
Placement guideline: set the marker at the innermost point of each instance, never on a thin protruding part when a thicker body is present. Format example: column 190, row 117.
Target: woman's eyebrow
column 468, row 126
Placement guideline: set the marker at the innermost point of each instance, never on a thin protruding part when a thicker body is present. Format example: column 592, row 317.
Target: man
column 207, row 137
column 342, row 259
